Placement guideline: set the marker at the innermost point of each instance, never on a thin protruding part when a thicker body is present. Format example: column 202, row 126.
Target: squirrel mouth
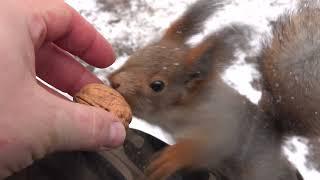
column 136, row 109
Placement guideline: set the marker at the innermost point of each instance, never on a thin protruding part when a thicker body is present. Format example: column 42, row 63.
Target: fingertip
column 85, row 127
column 81, row 38
column 100, row 54
column 117, row 134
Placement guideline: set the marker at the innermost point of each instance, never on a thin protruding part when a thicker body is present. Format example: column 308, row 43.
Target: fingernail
column 117, row 134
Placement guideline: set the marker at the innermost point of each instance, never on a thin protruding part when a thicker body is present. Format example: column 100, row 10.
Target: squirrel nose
column 115, row 85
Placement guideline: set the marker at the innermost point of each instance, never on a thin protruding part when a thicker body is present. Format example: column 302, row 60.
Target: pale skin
column 34, row 121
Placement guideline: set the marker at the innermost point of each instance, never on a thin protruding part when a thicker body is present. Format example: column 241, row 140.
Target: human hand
column 35, row 121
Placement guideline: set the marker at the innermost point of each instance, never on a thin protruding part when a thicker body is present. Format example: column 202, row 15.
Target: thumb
column 82, row 127
column 42, row 123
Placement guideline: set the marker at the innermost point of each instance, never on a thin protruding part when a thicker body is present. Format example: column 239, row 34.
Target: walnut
column 100, row 95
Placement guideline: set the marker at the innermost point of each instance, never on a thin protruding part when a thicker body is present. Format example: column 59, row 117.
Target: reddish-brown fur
column 291, row 69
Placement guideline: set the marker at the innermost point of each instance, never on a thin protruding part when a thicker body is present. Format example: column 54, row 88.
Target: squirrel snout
column 114, row 84
column 117, row 79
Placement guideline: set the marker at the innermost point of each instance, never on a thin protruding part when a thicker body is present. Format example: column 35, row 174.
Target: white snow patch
column 240, row 76
column 298, row 157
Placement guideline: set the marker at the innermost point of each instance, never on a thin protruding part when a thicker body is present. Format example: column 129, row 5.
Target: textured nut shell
column 102, row 96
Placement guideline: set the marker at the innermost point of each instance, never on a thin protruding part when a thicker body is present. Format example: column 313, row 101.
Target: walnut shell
column 100, row 95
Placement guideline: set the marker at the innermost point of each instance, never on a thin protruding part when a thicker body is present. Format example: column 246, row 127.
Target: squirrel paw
column 174, row 158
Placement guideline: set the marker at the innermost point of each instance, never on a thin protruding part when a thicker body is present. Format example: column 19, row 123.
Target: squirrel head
column 168, row 73
column 163, row 76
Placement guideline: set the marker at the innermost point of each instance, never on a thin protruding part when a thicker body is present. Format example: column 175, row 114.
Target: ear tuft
column 191, row 22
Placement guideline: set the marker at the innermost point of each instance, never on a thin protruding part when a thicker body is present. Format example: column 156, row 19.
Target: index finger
column 71, row 32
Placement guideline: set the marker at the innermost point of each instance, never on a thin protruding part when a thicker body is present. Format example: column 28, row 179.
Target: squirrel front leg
column 185, row 154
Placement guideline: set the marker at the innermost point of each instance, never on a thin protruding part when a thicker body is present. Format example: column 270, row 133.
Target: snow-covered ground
column 130, row 24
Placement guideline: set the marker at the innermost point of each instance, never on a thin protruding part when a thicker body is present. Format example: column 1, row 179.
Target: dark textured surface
column 125, row 163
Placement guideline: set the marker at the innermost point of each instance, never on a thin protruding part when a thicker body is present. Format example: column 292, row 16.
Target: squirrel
column 180, row 88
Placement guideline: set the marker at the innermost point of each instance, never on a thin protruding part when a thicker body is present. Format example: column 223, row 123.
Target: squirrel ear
column 199, row 64
column 192, row 21
column 175, row 33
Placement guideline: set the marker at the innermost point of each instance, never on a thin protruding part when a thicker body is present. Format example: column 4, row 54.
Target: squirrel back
column 290, row 65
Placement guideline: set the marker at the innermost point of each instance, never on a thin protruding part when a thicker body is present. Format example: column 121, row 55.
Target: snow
column 244, row 73
column 131, row 24
column 297, row 156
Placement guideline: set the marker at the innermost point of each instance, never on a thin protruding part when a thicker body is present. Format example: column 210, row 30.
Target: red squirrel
column 180, row 88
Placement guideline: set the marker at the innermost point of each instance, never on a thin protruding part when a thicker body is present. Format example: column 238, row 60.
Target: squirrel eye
column 157, row 86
